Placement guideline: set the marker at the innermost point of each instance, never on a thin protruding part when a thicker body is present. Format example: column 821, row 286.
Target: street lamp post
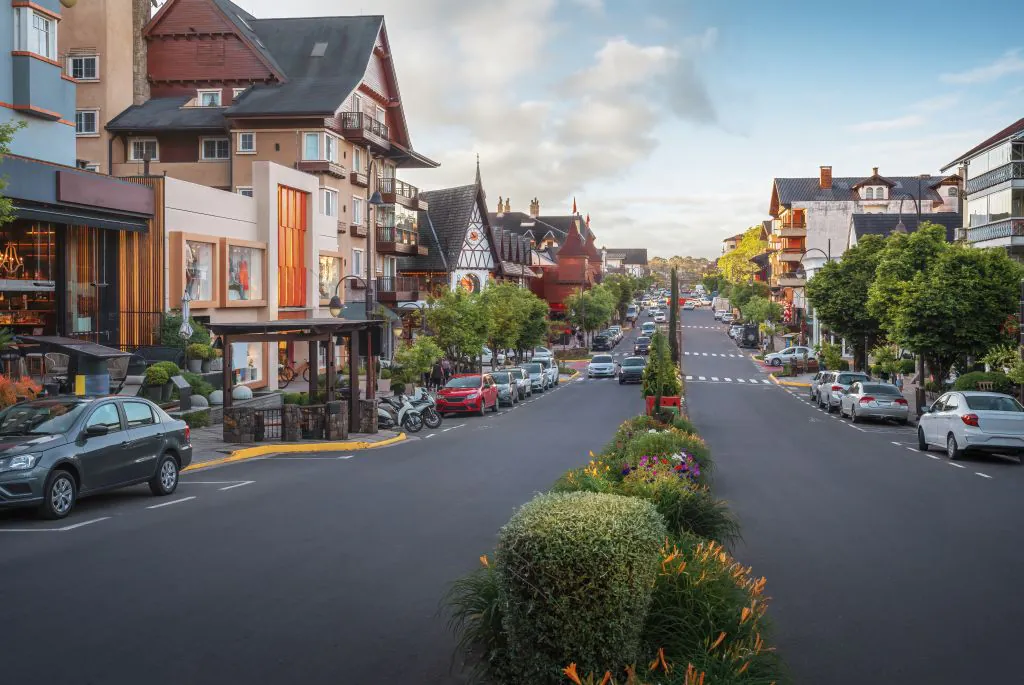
column 816, row 327
column 919, row 396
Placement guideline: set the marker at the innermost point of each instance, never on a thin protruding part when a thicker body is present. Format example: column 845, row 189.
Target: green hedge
column 969, row 381
column 576, row 571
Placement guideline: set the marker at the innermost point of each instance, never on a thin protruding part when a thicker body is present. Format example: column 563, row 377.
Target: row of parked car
column 607, row 339
column 480, row 393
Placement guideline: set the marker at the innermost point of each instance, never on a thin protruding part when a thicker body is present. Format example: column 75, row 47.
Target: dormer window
column 880, row 193
column 869, row 194
column 952, row 192
column 209, row 98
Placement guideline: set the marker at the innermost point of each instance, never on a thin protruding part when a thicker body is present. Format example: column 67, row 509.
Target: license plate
column 885, row 404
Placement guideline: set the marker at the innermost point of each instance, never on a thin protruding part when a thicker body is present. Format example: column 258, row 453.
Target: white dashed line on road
column 932, row 456
column 701, row 378
column 983, row 475
column 242, row 484
column 82, row 524
column 959, row 466
column 728, row 380
column 174, row 501
column 714, row 378
column 740, row 380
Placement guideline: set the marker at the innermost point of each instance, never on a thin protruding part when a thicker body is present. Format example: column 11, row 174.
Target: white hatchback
column 973, row 421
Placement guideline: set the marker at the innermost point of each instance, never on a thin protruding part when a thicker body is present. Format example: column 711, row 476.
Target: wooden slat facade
column 141, row 274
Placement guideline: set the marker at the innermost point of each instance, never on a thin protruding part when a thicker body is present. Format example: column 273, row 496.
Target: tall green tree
column 622, row 287
column 741, row 293
column 7, row 131
column 760, row 310
column 592, row 309
column 673, row 320
column 839, row 294
column 736, row 265
column 461, row 324
column 506, row 312
column 902, row 258
column 535, row 322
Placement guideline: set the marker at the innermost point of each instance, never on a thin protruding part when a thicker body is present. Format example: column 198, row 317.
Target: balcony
column 395, row 289
column 394, row 191
column 358, row 178
column 363, row 129
column 358, row 230
column 794, row 228
column 1007, row 172
column 398, row 242
column 787, row 280
column 792, row 255
column 321, row 166
column 1006, row 231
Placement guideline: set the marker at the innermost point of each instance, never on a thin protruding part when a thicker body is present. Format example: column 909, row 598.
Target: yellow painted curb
column 264, row 450
column 788, row 384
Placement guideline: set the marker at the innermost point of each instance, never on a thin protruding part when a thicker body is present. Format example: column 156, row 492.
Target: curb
column 788, row 384
column 267, row 450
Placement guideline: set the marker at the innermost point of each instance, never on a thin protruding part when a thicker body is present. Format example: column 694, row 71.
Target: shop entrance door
column 88, row 299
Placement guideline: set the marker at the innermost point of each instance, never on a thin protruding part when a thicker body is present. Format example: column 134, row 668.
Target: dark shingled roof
column 883, row 224
column 443, row 228
column 168, row 113
column 808, row 189
column 243, row 21
column 1011, row 130
column 315, row 85
column 630, row 255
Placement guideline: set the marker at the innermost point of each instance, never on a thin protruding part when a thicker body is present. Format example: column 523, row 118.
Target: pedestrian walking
column 446, row 371
column 436, row 376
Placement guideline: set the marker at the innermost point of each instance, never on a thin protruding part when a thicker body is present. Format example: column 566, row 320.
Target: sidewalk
column 209, row 448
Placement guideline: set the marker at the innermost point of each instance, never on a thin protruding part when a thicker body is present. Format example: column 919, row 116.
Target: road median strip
column 268, row 450
column 788, row 384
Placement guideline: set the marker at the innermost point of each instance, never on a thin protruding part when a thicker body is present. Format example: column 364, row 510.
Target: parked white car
column 973, row 421
column 788, row 355
column 542, row 353
column 487, row 357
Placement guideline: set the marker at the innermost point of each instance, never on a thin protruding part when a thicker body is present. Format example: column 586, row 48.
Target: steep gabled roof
column 1008, row 132
column 873, row 180
column 883, row 224
column 450, row 212
column 574, row 244
column 160, row 114
column 637, row 256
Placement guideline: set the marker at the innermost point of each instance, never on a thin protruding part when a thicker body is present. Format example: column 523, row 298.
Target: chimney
column 501, row 207
column 825, row 180
column 874, row 171
column 535, row 208
column 141, row 12
column 508, row 206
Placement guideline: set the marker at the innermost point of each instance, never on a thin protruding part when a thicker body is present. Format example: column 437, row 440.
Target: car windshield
column 48, row 417
column 848, row 378
column 464, row 382
column 540, row 350
column 533, row 368
column 993, row 403
column 517, row 373
column 601, row 359
column 633, row 361
column 501, row 377
column 881, row 389
column 642, row 340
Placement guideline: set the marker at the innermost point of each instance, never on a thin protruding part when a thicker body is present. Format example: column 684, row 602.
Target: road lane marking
column 912, row 449
column 728, row 380
column 175, row 501
column 766, row 382
column 445, row 430
column 239, row 485
column 959, row 466
column 702, row 378
column 54, row 530
column 210, row 482
column 983, row 475
column 714, row 378
column 83, row 523
column 932, row 456
column 428, row 437
column 705, row 354
column 740, row 380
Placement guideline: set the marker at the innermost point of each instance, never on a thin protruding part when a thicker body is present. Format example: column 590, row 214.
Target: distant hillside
column 690, row 269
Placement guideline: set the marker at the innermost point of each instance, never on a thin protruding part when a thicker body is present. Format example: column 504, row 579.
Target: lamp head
column 336, row 307
column 376, row 200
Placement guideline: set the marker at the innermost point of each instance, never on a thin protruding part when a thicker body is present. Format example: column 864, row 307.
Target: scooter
column 398, row 411
column 424, row 401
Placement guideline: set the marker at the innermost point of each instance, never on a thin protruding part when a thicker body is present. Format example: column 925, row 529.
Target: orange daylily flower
column 484, row 562
column 721, row 637
column 607, row 678
column 570, row 673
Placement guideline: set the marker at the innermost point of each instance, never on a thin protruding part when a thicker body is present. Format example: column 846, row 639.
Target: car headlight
column 22, row 462
column 473, row 396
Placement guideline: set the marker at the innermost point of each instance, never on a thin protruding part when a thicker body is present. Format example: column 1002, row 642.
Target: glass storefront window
column 330, row 276
column 247, row 362
column 245, row 273
column 28, row 268
column 199, row 269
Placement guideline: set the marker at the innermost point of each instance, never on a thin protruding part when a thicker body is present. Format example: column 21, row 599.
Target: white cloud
column 909, row 121
column 592, row 5
column 1010, row 63
column 621, row 64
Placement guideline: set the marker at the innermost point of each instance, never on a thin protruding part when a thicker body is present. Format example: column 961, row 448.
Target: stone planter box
column 195, row 365
column 667, row 402
column 153, row 393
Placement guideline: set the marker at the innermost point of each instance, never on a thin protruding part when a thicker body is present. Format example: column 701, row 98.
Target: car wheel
column 953, row 450
column 922, row 444
column 59, row 495
column 622, row 381
column 165, row 481
column 853, row 415
column 483, row 407
column 495, row 407
column 776, row 362
column 828, row 407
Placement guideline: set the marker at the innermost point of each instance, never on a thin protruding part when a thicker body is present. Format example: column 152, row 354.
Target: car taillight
column 970, row 419
column 867, row 399
column 900, row 401
column 836, row 388
column 188, row 433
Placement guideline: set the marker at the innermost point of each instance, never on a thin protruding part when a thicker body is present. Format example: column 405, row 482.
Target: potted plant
column 196, row 353
column 216, row 361
column 384, row 380
column 156, row 379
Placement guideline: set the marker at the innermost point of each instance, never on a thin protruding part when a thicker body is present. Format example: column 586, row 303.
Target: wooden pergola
column 311, row 331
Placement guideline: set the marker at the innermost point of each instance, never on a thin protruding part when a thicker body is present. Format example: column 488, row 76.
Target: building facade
column 632, row 261
column 993, row 173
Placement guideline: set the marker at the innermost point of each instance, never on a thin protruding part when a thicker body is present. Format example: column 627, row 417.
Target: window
column 329, row 201
column 215, row 148
column 245, row 273
column 880, row 193
column 142, row 148
column 244, row 190
column 380, row 114
column 357, row 104
column 105, row 415
column 246, row 143
column 311, row 146
column 952, row 192
column 357, row 160
column 330, row 276
column 209, row 98
column 138, row 414
column 247, row 362
column 357, row 211
column 84, row 67
column 869, row 194
column 357, row 262
column 42, row 36
column 235, row 92
column 331, row 148
column 85, row 122
column 89, row 166
column 199, row 269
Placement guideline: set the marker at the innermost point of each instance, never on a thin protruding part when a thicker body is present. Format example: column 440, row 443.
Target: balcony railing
column 398, row 241
column 1008, row 228
column 394, row 191
column 1007, row 172
column 396, row 288
column 790, row 254
column 321, row 166
column 362, row 128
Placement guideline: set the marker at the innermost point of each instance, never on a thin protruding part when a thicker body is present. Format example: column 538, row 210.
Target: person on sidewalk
column 436, row 377
column 446, row 371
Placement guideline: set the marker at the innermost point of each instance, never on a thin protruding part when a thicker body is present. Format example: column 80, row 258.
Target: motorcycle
column 424, row 401
column 399, row 411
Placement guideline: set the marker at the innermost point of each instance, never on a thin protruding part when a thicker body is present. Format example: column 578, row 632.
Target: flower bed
column 704, row 621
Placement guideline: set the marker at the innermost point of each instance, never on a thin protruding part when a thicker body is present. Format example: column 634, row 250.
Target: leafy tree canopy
column 7, row 131
column 461, row 323
column 736, row 265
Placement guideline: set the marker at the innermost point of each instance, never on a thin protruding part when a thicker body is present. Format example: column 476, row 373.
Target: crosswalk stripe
column 766, row 382
column 705, row 354
column 754, row 381
column 689, row 378
column 740, row 380
column 714, row 378
column 728, row 380
column 701, row 378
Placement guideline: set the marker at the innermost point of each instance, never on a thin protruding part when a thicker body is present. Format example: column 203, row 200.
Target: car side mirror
column 96, row 431
column 927, row 409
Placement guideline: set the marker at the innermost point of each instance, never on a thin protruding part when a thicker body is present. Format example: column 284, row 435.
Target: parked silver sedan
column 874, row 401
column 973, row 421
column 831, row 392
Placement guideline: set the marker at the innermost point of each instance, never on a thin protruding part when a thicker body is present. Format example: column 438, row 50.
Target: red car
column 472, row 394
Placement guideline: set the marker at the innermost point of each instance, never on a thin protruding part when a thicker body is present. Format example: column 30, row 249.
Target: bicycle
column 286, row 373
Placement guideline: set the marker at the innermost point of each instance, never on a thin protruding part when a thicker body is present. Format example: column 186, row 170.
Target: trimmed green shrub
column 575, row 572
column 198, row 384
column 198, row 351
column 683, row 423
column 707, row 610
column 197, row 419
column 687, row 508
column 170, row 368
column 169, row 327
column 290, row 397
column 629, row 429
column 156, row 376
column 969, row 381
column 384, row 375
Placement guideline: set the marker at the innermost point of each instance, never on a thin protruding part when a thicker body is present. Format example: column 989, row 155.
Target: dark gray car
column 54, row 450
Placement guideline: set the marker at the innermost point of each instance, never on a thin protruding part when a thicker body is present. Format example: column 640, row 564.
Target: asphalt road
column 300, row 569
column 886, row 565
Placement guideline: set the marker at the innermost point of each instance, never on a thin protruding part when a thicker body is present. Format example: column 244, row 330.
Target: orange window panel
column 292, row 224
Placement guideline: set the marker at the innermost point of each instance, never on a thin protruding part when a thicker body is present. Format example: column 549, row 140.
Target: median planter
column 672, row 403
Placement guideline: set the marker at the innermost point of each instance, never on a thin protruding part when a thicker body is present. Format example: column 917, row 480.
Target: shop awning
column 73, row 346
column 65, row 215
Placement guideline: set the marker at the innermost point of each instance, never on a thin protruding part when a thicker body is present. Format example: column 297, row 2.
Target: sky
column 666, row 120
